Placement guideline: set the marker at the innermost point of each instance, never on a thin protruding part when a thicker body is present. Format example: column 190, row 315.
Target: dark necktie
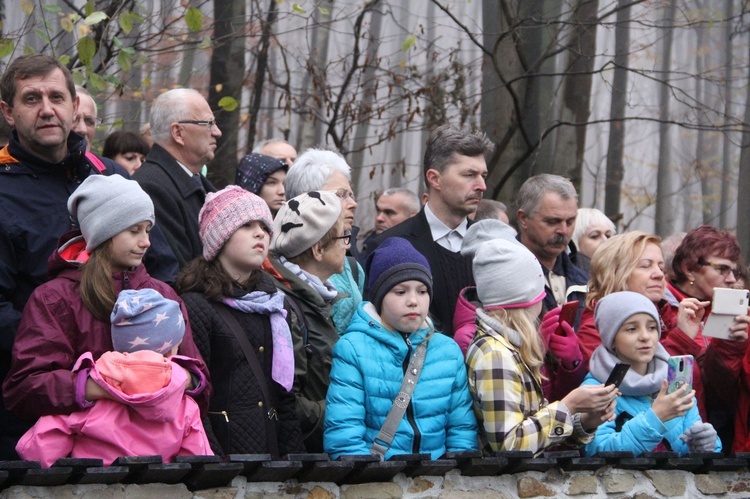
column 197, row 180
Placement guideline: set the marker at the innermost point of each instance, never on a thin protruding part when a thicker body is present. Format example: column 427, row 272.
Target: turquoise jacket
column 368, row 369
column 644, row 431
column 352, row 290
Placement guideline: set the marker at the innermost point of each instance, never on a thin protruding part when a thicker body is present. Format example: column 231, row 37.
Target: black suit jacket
column 177, row 201
column 416, row 230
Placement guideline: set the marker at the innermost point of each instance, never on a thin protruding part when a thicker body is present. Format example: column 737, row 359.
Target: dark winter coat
column 237, row 421
column 177, row 200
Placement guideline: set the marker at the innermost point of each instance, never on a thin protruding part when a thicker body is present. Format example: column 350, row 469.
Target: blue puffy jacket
column 368, row 368
column 644, row 431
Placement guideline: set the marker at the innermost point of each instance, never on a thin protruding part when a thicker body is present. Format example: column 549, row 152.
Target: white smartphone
column 727, row 304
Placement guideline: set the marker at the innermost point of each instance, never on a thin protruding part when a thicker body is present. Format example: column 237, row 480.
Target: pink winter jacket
column 164, row 421
column 464, row 319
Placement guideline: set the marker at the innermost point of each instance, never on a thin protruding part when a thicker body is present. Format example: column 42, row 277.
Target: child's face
column 636, row 340
column 405, row 306
column 245, row 251
column 129, row 246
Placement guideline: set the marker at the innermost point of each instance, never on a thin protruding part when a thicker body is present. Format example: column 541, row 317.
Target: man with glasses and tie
column 185, row 134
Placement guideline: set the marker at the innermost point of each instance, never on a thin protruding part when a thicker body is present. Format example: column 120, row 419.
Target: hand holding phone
column 617, row 375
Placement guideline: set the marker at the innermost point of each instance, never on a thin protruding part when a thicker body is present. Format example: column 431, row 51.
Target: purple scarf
column 258, row 302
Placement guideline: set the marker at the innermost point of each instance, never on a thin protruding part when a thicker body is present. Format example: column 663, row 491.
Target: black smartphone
column 617, row 374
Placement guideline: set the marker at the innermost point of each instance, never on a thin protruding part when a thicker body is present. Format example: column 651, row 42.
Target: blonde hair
column 614, row 262
column 522, row 321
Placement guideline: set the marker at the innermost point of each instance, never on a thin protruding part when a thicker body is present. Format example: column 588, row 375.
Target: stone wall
column 605, row 482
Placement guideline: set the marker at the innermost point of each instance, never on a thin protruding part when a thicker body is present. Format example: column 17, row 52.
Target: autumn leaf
column 95, row 18
column 86, row 50
column 6, row 47
column 408, row 43
column 194, row 20
column 228, row 103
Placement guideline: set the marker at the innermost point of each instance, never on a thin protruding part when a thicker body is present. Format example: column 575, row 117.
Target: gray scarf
column 603, row 361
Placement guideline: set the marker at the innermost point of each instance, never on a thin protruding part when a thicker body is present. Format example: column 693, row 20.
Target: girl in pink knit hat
column 240, row 324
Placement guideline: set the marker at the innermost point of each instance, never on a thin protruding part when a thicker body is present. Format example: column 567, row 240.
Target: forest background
column 643, row 104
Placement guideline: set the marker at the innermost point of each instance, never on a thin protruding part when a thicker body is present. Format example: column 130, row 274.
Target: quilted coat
column 368, row 369
column 236, row 423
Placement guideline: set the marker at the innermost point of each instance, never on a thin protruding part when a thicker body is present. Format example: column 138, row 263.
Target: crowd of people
column 143, row 311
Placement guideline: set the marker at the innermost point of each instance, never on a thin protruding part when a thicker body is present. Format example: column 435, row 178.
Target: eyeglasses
column 723, row 269
column 344, row 194
column 87, row 120
column 347, row 237
column 208, row 123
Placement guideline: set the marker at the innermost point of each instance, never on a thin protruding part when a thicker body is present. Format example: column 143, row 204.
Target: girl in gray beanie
column 506, row 356
column 69, row 315
column 648, row 418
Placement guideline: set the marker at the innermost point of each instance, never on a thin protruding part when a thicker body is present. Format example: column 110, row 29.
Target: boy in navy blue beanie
column 368, row 367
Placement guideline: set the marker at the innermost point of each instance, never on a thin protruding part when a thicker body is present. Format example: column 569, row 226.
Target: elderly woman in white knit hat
column 506, row 355
column 308, row 247
column 69, row 315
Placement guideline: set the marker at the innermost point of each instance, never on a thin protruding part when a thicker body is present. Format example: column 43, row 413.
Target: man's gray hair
column 533, row 190
column 489, row 208
column 258, row 149
column 166, row 109
column 411, row 200
column 312, row 170
column 447, row 140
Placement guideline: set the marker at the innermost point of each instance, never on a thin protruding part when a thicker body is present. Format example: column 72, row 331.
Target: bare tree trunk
column 743, row 200
column 310, row 130
column 501, row 100
column 227, row 73
column 665, row 209
column 188, row 54
column 369, row 93
column 702, row 164
column 260, row 72
column 581, row 52
column 726, row 156
column 613, row 183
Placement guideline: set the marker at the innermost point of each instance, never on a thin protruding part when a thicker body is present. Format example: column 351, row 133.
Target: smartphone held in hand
column 726, row 305
column 680, row 372
column 618, row 374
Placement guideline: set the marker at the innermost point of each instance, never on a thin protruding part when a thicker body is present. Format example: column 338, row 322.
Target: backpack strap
column 97, row 163
column 385, row 436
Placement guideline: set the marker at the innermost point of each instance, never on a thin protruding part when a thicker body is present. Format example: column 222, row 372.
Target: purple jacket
column 56, row 329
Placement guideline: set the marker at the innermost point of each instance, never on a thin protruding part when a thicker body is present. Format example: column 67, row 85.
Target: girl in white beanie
column 69, row 315
column 506, row 355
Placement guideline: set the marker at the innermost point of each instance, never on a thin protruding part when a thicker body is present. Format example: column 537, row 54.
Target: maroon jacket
column 56, row 329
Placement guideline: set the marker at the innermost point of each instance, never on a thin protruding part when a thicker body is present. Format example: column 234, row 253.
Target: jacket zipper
column 223, row 413
column 416, row 443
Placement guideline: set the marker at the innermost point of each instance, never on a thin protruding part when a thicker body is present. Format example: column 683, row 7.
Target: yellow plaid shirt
column 509, row 402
